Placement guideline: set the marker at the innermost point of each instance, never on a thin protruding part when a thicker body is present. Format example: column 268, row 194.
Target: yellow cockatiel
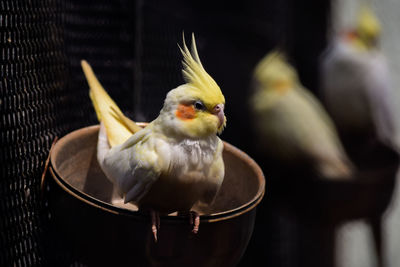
column 292, row 126
column 174, row 162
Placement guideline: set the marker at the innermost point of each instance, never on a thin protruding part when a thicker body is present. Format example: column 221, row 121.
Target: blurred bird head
column 274, row 73
column 367, row 31
column 368, row 27
column 195, row 109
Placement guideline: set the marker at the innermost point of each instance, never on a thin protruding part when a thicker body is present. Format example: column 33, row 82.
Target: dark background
column 132, row 46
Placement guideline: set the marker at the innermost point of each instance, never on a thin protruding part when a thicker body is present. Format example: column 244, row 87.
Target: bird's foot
column 195, row 221
column 155, row 223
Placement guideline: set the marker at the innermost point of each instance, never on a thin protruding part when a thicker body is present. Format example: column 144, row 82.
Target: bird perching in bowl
column 355, row 85
column 292, row 126
column 176, row 161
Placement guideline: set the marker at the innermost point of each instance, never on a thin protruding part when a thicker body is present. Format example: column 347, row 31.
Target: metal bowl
column 99, row 233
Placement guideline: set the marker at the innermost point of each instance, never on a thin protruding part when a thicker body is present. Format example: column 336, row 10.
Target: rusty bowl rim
column 92, row 201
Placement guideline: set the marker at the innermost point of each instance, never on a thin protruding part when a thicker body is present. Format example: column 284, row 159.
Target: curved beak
column 219, row 112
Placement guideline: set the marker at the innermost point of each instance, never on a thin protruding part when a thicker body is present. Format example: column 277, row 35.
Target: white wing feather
column 136, row 164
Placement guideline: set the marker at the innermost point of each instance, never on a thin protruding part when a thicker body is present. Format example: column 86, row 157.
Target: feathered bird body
column 342, row 62
column 292, row 125
column 167, row 170
column 356, row 86
column 175, row 161
column 191, row 174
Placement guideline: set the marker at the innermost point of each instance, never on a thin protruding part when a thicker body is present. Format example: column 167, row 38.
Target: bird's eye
column 199, row 105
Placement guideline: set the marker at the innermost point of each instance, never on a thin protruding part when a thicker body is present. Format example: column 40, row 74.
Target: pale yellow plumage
column 368, row 26
column 199, row 81
column 274, row 72
column 291, row 123
column 176, row 161
column 119, row 128
column 367, row 30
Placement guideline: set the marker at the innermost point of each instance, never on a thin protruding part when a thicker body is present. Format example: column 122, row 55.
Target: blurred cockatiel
column 291, row 124
column 174, row 162
column 355, row 84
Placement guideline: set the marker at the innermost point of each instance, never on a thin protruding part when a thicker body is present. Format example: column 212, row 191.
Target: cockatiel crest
column 196, row 76
column 274, row 73
column 368, row 26
column 367, row 31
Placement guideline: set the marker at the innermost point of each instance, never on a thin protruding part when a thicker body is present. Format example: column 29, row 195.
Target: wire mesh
column 32, row 87
column 43, row 94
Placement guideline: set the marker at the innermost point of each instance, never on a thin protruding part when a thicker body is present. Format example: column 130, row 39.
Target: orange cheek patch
column 185, row 112
column 350, row 36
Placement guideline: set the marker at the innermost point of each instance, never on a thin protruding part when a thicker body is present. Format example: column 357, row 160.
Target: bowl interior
column 74, row 160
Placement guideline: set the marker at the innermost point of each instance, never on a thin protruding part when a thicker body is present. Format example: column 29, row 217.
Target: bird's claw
column 155, row 224
column 195, row 221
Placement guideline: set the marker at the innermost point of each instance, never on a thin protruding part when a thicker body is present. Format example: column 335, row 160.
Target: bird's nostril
column 218, row 108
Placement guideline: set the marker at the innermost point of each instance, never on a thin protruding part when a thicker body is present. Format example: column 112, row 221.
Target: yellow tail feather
column 118, row 127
